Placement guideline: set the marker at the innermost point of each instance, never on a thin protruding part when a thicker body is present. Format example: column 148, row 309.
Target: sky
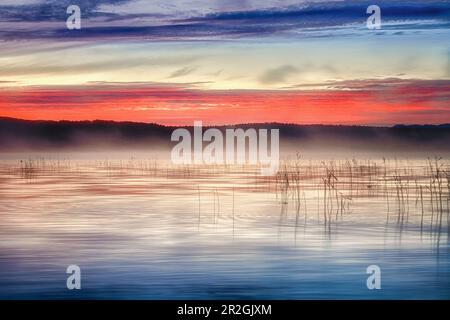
column 226, row 61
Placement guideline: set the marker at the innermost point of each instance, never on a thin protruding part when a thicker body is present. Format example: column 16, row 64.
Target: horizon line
column 226, row 125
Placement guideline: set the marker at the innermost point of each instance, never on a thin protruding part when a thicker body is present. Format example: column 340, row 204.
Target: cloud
column 182, row 72
column 277, row 75
column 198, row 19
column 184, row 8
column 20, row 2
column 98, row 64
column 370, row 101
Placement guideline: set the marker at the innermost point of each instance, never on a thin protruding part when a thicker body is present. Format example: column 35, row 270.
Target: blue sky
column 220, row 19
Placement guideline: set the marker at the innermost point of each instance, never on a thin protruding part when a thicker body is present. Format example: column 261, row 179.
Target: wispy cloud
column 277, row 75
column 97, row 64
column 182, row 72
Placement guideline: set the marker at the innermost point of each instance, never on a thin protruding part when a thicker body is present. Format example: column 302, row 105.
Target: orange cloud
column 374, row 102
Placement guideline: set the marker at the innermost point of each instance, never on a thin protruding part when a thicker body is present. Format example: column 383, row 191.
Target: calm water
column 140, row 230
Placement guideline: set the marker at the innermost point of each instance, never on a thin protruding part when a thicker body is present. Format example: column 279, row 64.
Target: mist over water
column 140, row 227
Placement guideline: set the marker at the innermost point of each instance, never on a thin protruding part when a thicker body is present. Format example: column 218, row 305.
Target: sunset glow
column 217, row 65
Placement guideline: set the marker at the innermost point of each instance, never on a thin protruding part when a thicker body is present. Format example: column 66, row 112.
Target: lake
column 144, row 229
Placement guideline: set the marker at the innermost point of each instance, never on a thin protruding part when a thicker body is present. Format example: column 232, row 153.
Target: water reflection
column 143, row 229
